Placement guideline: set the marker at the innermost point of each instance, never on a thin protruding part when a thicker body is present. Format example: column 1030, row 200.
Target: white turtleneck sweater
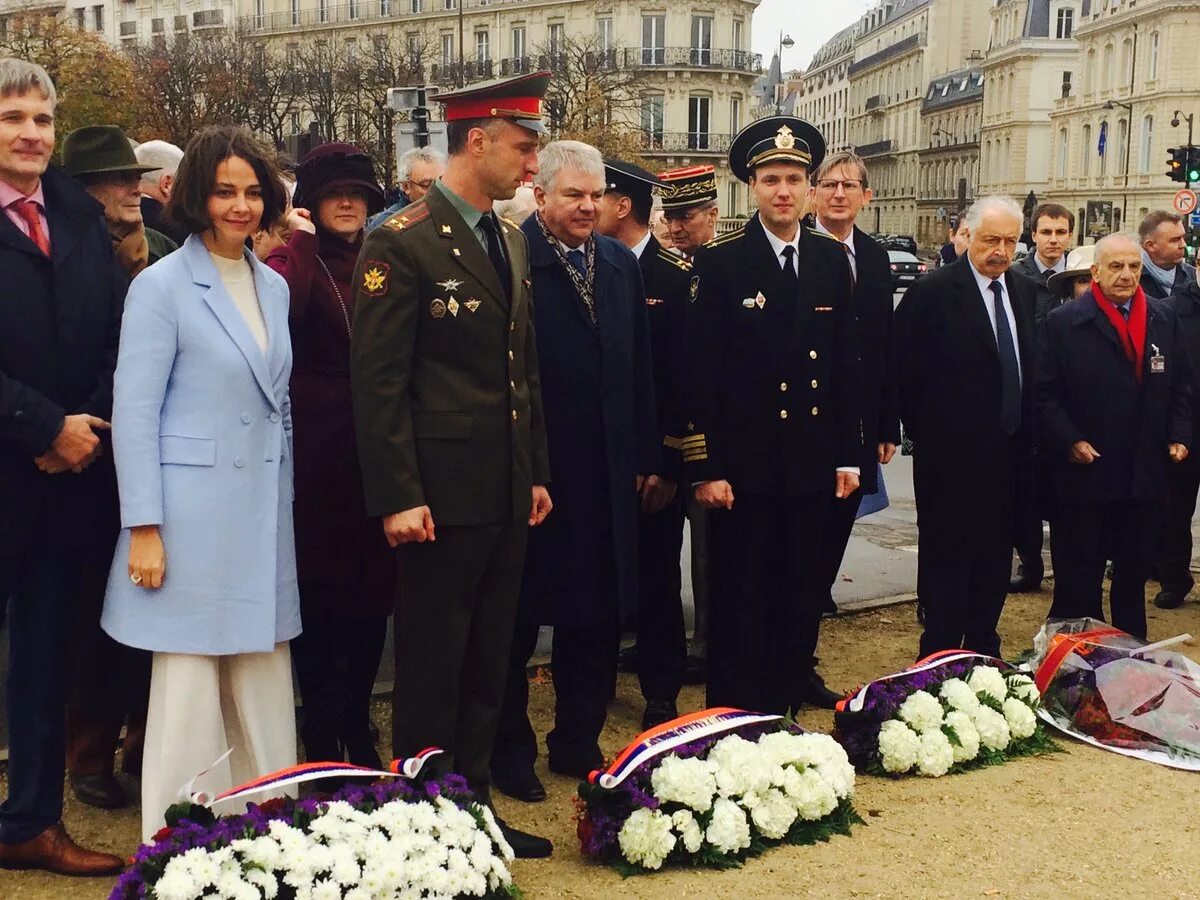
column 238, row 279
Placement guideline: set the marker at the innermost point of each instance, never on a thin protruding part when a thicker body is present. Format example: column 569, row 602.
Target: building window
column 652, row 120
column 1066, row 84
column 701, row 54
column 451, row 4
column 698, row 122
column 737, row 34
column 447, row 50
column 557, row 39
column 731, row 204
column 385, row 7
column 1086, row 151
column 322, row 10
column 1145, row 145
column 260, row 13
column 1062, row 153
column 483, row 52
column 1089, row 72
column 654, row 51
column 351, row 51
column 98, row 17
column 1122, row 149
column 295, row 12
column 1152, row 69
column 735, row 115
column 1066, row 23
column 518, row 42
column 604, row 34
column 1106, row 70
column 352, row 9
column 416, row 6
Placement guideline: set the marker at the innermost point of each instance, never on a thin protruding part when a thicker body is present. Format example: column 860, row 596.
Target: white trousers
column 200, row 706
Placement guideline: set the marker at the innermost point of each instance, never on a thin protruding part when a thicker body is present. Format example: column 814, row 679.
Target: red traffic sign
column 1184, row 202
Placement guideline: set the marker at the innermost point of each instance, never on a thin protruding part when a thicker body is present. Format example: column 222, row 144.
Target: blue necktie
column 575, row 258
column 1010, row 373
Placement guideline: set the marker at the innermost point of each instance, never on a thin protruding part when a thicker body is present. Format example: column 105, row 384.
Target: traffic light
column 1177, row 164
column 1191, row 169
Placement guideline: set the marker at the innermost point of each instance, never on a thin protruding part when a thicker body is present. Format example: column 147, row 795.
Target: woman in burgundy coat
column 347, row 573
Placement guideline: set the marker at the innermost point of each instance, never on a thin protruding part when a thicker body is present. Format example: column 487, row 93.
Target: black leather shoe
column 524, row 845
column 657, row 712
column 814, row 692
column 1168, row 599
column 102, row 791
column 627, row 659
column 695, row 670
column 1026, row 581
column 523, row 785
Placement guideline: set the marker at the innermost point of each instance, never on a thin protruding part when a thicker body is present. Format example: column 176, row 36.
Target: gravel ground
column 1078, row 824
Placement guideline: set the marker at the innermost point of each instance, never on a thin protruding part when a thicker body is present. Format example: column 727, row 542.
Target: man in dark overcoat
column 662, row 643
column 60, row 320
column 773, row 423
column 448, row 412
column 1114, row 414
column 965, row 349
column 598, row 391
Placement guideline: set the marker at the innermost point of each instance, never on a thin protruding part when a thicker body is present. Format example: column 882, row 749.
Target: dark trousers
column 40, row 582
column 109, row 683
column 337, row 659
column 662, row 643
column 1085, row 536
column 765, row 603
column 1029, row 545
column 1175, row 542
column 698, row 517
column 453, row 631
column 963, row 600
column 835, row 536
column 583, row 664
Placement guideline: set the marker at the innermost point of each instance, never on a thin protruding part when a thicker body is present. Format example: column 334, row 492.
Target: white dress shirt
column 848, row 243
column 1060, row 266
column 985, row 291
column 641, row 245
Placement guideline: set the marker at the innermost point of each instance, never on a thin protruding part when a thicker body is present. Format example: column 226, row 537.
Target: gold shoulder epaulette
column 728, row 238
column 677, row 261
column 409, row 216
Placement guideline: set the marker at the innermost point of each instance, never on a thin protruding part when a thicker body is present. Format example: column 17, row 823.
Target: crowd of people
column 246, row 415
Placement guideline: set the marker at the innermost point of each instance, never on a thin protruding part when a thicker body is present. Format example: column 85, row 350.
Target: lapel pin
column 452, row 305
column 450, row 285
column 456, row 253
column 760, row 301
column 748, row 303
column 446, row 229
column 472, row 305
column 437, row 308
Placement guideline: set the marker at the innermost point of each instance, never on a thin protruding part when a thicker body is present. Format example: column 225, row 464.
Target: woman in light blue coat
column 205, row 574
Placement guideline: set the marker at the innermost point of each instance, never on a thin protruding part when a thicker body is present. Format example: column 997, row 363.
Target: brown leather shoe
column 54, row 851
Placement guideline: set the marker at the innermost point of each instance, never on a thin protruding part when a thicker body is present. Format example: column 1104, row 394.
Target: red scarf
column 1133, row 333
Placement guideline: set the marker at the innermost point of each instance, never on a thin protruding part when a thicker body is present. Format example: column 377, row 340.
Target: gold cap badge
column 784, row 139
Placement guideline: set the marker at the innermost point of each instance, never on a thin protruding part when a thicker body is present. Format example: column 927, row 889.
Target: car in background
column 906, row 268
column 905, row 242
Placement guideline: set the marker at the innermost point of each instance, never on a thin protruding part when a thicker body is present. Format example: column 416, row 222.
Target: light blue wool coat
column 202, row 436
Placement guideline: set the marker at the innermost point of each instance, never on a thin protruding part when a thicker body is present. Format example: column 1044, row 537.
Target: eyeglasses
column 848, row 186
column 424, row 185
column 683, row 216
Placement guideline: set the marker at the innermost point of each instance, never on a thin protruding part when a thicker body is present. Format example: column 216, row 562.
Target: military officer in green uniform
column 773, row 426
column 448, row 413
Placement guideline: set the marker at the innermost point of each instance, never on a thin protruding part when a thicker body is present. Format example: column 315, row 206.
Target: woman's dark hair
column 187, row 206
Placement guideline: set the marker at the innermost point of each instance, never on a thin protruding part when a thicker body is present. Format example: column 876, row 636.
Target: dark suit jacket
column 1086, row 391
column 878, row 400
column 667, row 279
column 60, row 319
column 1185, row 275
column 1187, row 306
column 598, row 390
column 1044, row 301
column 773, row 385
column 970, row 478
column 447, row 402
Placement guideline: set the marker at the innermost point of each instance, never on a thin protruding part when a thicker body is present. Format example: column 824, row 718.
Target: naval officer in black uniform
column 773, row 425
column 662, row 643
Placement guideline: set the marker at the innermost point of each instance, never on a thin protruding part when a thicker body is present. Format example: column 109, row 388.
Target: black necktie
column 789, row 266
column 1010, row 373
column 1124, row 312
column 496, row 254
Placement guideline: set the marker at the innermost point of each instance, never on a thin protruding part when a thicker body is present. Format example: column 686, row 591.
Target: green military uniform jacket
column 447, row 401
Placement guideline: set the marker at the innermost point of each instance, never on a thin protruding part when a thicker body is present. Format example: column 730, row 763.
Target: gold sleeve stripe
column 672, row 442
column 695, row 457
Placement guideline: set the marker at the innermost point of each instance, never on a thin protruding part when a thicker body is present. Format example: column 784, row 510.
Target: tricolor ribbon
column 854, row 702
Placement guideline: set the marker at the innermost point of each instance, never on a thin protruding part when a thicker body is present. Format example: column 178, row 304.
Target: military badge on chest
column 439, row 307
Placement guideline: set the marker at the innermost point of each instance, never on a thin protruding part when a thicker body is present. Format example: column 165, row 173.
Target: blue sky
column 809, row 22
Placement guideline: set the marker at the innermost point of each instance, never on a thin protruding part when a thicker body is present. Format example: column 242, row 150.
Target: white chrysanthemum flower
column 936, row 755
column 988, row 680
column 646, row 838
column 1024, row 689
column 691, row 782
column 811, row 794
column 741, row 768
column 820, row 751
column 728, row 831
column 690, row 833
column 921, row 711
column 898, row 747
column 992, row 728
column 177, row 882
column 957, row 694
column 774, row 815
column 1020, row 719
column 968, row 736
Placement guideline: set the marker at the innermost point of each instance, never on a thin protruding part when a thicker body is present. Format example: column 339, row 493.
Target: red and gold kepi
column 518, row 99
column 681, row 188
column 776, row 139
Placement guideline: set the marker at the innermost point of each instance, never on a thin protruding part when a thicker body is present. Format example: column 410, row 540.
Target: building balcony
column 879, row 148
column 675, row 142
column 876, row 104
column 692, row 58
column 912, row 42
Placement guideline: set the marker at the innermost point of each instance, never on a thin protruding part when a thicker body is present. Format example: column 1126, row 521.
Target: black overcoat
column 878, row 399
column 601, row 428
column 970, row 478
column 667, row 279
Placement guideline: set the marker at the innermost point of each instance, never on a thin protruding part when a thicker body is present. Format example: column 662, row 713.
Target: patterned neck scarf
column 583, row 283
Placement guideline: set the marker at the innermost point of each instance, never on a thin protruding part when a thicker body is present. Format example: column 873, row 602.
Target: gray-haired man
column 156, row 185
column 418, row 169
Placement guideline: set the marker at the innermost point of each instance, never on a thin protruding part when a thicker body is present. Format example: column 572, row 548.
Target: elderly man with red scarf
column 1113, row 413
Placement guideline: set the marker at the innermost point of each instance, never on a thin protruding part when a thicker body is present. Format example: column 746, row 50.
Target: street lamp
column 1189, row 118
column 785, row 43
column 1111, row 105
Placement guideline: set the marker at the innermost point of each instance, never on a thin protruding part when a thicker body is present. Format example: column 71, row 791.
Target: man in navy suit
column 60, row 315
column 581, row 569
column 1114, row 415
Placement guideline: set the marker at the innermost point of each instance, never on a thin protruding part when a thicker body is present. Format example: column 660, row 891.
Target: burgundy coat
column 337, row 545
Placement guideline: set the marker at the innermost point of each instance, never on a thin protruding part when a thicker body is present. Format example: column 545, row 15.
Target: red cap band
column 494, row 107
